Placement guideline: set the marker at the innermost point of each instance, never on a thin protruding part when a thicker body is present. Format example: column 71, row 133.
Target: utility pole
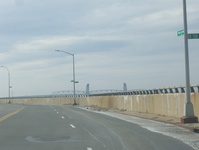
column 188, row 106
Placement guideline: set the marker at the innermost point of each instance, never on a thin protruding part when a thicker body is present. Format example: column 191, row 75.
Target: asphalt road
column 70, row 128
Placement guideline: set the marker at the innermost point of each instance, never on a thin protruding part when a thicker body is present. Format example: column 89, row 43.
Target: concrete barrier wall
column 160, row 104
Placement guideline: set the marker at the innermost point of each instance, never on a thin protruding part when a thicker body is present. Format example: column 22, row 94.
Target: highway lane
column 71, row 128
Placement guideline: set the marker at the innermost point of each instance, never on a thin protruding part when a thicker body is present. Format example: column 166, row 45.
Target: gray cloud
column 113, row 41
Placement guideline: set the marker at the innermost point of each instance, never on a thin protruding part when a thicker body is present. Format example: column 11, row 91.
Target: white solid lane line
column 94, row 137
column 88, row 148
column 72, row 126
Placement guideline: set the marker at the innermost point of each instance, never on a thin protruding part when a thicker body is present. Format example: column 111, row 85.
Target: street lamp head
column 6, row 69
column 64, row 52
column 57, row 50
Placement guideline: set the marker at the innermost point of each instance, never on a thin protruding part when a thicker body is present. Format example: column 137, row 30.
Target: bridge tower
column 124, row 87
column 87, row 89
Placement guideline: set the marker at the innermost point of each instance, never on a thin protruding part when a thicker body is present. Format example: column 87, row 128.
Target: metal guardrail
column 194, row 89
column 25, row 97
column 44, row 96
column 104, row 91
column 83, row 93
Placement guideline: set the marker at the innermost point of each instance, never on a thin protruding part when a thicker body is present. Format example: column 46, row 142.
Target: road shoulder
column 194, row 127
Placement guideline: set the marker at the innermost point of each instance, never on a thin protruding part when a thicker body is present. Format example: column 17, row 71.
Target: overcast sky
column 114, row 42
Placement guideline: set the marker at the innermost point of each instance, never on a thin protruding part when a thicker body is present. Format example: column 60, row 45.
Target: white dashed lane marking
column 72, row 126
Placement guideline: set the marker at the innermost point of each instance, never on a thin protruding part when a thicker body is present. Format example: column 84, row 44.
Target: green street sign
column 193, row 36
column 180, row 33
column 75, row 81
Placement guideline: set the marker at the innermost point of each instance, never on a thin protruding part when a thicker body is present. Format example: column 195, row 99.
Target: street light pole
column 74, row 82
column 188, row 107
column 8, row 82
column 75, row 103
